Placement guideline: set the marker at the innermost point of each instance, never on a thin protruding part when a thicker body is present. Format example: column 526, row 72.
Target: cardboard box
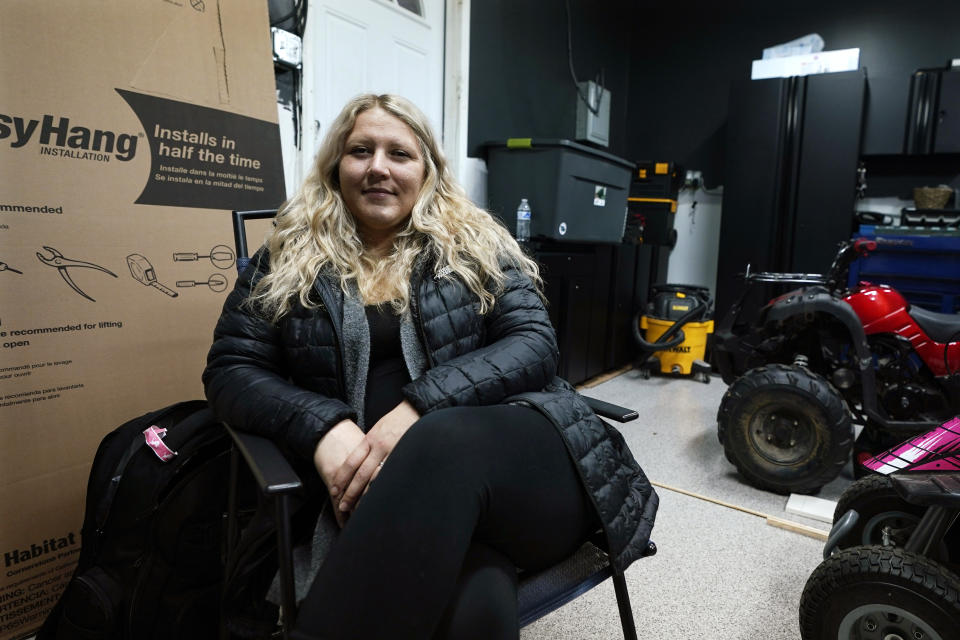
column 128, row 129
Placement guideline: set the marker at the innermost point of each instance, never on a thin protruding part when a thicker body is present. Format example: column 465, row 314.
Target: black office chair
column 539, row 592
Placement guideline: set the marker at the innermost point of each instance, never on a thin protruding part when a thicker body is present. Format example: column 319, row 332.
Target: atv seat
column 941, row 327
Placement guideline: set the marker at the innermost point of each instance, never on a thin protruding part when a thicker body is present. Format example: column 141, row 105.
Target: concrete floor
column 720, row 573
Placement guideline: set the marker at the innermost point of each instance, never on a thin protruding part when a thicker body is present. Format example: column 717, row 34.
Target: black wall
column 669, row 66
column 520, row 84
column 685, row 57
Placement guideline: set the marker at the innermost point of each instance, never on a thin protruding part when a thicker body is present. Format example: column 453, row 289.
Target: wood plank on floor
column 772, row 520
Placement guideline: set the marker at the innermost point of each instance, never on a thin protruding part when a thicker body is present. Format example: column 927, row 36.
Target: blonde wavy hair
column 314, row 229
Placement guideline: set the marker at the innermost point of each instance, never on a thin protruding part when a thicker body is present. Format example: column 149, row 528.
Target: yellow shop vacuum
column 676, row 324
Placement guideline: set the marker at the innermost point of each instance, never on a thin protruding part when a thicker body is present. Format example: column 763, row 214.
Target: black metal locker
column 792, row 151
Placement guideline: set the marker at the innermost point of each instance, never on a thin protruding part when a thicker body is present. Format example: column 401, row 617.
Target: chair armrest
column 611, row 411
column 270, row 469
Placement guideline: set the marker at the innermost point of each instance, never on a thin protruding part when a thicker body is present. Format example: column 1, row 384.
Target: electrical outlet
column 593, row 123
column 693, row 180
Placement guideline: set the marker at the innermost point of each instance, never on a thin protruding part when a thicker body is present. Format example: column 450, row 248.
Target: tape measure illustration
column 144, row 273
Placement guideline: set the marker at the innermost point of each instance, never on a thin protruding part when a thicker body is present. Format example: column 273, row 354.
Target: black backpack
column 151, row 562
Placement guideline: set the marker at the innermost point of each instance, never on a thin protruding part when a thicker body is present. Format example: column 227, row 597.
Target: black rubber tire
column 878, row 505
column 800, row 457
column 893, row 589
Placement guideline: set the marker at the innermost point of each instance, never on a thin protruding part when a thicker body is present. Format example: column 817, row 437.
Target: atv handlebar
column 864, row 246
column 849, row 251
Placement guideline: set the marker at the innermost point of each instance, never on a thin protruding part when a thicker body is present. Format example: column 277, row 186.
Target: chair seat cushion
column 544, row 591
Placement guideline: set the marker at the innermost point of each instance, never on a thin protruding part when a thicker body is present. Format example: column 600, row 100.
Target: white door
column 369, row 46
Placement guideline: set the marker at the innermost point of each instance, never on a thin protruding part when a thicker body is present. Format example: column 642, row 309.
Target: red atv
column 811, row 362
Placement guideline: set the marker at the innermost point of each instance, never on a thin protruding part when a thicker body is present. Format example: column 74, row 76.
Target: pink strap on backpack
column 154, row 437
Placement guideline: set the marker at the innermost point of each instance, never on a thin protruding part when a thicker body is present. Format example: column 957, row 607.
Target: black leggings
column 467, row 496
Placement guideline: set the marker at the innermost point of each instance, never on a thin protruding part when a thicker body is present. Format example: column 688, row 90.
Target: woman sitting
column 395, row 333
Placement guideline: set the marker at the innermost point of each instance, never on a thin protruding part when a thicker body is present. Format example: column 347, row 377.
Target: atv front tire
column 879, row 592
column 785, row 428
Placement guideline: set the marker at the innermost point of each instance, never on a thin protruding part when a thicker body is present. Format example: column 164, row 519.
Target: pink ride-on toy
column 891, row 562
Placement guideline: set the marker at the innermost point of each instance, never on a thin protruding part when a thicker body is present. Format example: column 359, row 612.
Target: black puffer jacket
column 286, row 381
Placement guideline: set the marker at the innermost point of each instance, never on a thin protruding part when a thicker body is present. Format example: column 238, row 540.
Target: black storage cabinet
column 594, row 290
column 791, row 171
column 933, row 123
column 576, row 193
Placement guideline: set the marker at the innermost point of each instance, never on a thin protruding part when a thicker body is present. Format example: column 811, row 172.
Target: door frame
column 456, row 86
column 455, row 96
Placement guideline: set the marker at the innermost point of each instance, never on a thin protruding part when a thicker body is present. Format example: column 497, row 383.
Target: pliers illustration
column 62, row 264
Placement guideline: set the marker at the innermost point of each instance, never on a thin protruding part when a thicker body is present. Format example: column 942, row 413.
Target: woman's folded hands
column 349, row 460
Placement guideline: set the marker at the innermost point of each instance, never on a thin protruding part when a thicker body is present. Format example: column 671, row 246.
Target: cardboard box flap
column 175, row 68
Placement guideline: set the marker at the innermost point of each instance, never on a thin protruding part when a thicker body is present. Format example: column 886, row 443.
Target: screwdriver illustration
column 221, row 256
column 216, row 283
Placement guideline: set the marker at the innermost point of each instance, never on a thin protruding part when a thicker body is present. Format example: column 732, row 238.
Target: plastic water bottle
column 523, row 221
